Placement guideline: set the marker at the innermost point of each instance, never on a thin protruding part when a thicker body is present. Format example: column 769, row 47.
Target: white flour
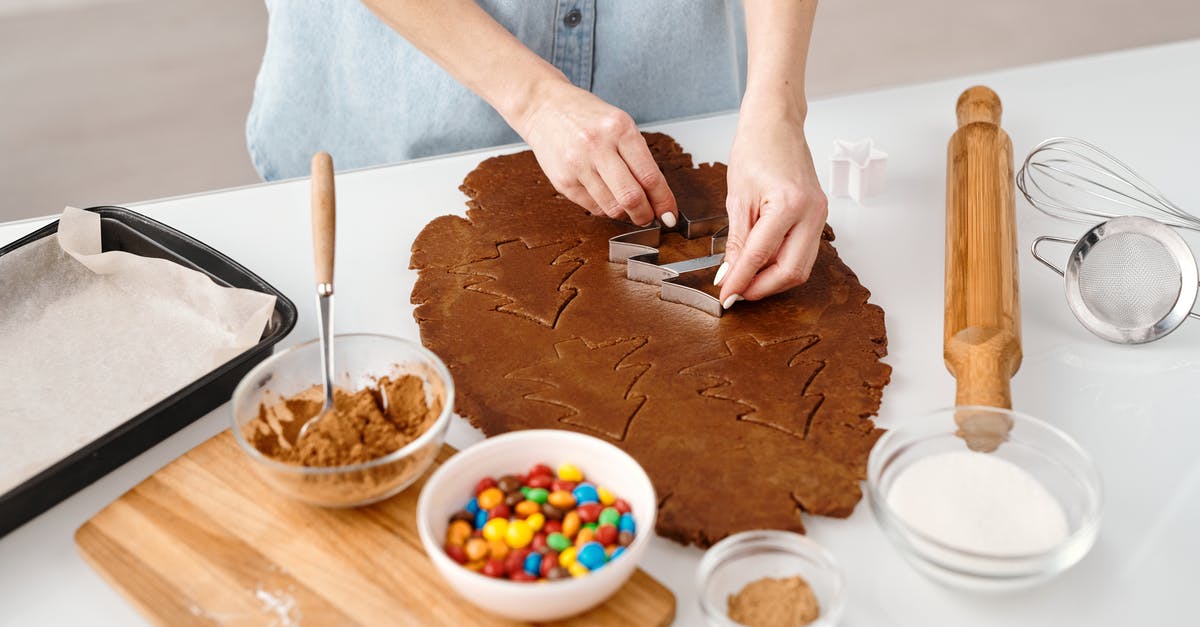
column 978, row 502
column 280, row 604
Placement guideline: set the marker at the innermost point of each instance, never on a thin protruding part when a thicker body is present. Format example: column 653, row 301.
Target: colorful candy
column 571, row 524
column 495, row 529
column 606, row 535
column 609, row 516
column 484, row 483
column 585, row 493
column 558, row 485
column 561, row 499
column 526, row 508
column 567, row 557
column 456, row 553
column 516, row 560
column 589, row 512
column 546, row 524
column 518, row 535
column 494, row 568
column 591, row 555
column 499, row 511
column 458, row 533
column 509, row 483
column 490, row 498
column 476, row 549
column 497, row 549
column 557, row 541
column 551, row 512
column 538, row 495
column 569, row 472
column 533, row 564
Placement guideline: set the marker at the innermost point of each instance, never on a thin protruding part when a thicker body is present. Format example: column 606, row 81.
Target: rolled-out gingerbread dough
column 742, row 421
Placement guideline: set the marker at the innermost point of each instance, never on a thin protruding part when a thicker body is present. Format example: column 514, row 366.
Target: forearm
column 777, row 38
column 473, row 48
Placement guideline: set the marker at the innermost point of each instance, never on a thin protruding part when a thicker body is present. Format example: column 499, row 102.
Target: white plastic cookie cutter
column 857, row 169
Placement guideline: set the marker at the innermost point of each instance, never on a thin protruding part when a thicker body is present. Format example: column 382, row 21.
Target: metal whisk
column 1071, row 179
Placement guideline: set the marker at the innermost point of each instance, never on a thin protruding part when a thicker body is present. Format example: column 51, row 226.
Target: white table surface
column 1133, row 408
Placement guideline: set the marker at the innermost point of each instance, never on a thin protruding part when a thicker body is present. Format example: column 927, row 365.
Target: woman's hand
column 594, row 155
column 776, row 209
column 590, row 150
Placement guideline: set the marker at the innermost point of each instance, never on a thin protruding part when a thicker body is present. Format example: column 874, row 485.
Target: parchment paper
column 89, row 339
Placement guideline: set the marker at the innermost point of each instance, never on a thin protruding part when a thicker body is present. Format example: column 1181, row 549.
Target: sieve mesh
column 1129, row 280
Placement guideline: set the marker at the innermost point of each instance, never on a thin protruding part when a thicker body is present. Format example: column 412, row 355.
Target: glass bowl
column 751, row 555
column 1045, row 452
column 360, row 360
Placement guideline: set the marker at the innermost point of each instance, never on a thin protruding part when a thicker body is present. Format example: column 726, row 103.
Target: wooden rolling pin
column 982, row 342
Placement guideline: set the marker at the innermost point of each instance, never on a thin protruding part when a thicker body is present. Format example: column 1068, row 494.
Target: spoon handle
column 323, row 214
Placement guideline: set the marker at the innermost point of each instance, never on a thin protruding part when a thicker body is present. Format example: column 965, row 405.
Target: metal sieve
column 1129, row 280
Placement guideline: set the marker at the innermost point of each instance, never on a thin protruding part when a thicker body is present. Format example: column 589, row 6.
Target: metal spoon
column 323, row 222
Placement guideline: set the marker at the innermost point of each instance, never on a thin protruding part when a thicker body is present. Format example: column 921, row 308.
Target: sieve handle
column 1057, row 240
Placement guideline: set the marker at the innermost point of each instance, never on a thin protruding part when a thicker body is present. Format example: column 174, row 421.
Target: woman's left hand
column 776, row 209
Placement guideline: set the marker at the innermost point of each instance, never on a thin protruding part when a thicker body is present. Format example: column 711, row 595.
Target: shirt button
column 572, row 18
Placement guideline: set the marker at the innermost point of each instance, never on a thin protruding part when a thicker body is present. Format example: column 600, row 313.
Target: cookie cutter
column 680, row 281
column 857, row 169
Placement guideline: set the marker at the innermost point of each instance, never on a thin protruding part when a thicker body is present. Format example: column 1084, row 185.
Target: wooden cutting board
column 204, row 541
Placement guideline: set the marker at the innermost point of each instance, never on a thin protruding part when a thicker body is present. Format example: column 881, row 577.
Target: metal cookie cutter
column 680, row 281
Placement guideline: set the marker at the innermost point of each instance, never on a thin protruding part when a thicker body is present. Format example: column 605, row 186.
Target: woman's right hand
column 593, row 154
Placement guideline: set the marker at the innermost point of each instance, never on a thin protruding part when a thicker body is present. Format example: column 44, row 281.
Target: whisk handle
column 978, row 104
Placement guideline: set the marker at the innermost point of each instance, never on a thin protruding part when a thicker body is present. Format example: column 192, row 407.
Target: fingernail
column 669, row 220
column 731, row 300
column 721, row 273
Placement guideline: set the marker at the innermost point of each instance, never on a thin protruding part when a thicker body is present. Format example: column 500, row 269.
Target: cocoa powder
column 362, row 425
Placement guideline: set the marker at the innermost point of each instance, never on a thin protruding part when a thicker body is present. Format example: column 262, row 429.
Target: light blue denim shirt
column 334, row 77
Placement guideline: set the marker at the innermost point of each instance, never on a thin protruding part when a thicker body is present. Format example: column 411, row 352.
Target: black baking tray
column 125, row 230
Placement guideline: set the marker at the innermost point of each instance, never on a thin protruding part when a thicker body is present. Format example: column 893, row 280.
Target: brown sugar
column 362, row 425
column 774, row 603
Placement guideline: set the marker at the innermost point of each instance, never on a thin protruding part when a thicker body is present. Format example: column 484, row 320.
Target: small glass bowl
column 1047, row 453
column 745, row 557
column 360, row 360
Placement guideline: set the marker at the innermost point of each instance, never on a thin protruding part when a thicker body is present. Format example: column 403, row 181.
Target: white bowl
column 452, row 485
